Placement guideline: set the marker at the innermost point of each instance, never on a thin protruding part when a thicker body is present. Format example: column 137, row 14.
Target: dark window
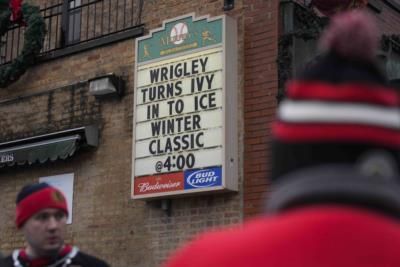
column 74, row 22
column 393, row 65
column 305, row 52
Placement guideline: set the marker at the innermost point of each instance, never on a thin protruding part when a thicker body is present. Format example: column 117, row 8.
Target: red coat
column 311, row 236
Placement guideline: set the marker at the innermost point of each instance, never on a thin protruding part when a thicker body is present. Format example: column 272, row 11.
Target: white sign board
column 64, row 183
column 183, row 114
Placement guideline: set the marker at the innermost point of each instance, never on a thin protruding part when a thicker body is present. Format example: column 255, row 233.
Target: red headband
column 48, row 197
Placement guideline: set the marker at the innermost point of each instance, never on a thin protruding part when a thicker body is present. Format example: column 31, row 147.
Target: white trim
column 15, row 255
column 41, row 143
column 48, row 136
column 309, row 111
column 66, row 260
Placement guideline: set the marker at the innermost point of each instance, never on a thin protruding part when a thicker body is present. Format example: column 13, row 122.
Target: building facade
column 55, row 126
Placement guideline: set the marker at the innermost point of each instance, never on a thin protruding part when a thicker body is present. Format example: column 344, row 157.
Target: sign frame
column 230, row 118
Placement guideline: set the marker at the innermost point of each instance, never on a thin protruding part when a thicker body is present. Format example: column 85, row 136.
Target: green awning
column 39, row 152
column 49, row 147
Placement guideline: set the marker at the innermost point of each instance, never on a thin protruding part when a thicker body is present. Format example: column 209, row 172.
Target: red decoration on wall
column 16, row 13
column 331, row 7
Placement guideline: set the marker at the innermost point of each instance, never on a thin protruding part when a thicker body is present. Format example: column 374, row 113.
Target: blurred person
column 335, row 198
column 41, row 215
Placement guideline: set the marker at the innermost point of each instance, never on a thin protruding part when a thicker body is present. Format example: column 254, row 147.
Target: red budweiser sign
column 158, row 183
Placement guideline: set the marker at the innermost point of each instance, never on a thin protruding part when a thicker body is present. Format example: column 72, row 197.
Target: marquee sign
column 185, row 106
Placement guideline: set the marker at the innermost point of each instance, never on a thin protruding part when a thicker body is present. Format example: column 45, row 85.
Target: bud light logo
column 203, row 178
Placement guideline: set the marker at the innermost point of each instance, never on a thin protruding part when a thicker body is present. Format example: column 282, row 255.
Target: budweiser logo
column 146, row 187
column 159, row 183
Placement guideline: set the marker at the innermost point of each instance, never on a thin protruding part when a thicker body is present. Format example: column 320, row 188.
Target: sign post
column 185, row 106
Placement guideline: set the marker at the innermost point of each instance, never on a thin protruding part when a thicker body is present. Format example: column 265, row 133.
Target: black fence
column 73, row 24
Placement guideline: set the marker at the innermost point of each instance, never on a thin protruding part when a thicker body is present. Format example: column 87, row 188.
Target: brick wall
column 63, row 108
column 106, row 222
column 388, row 18
column 260, row 88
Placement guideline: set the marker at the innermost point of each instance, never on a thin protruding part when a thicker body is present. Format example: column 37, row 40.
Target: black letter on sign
column 153, row 111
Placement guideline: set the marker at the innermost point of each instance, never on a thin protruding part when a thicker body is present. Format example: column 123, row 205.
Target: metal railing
column 75, row 23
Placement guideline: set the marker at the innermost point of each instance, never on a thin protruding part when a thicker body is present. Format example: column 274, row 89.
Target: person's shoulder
column 85, row 260
column 209, row 249
column 6, row 262
column 271, row 237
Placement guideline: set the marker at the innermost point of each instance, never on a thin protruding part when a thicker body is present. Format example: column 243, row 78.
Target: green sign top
column 179, row 36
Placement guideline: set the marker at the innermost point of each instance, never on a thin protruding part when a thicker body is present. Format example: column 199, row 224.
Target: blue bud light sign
column 201, row 178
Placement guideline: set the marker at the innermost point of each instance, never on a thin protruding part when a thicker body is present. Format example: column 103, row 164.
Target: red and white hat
column 34, row 198
column 340, row 110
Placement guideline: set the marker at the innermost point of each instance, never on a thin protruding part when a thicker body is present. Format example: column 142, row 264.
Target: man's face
column 44, row 232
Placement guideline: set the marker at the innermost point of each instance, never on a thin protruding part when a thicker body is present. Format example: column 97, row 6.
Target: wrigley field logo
column 180, row 36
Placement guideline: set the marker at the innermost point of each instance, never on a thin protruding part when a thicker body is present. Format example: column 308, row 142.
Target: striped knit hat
column 340, row 110
column 36, row 197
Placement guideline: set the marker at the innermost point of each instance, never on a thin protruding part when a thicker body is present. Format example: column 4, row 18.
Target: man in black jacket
column 41, row 215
